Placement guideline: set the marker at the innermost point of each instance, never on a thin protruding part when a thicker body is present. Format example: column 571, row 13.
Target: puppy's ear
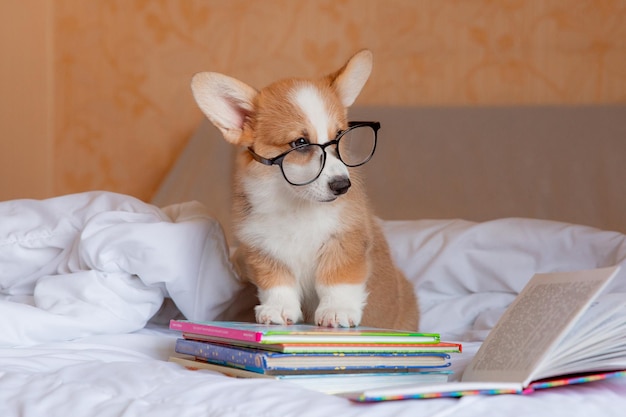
column 351, row 78
column 225, row 101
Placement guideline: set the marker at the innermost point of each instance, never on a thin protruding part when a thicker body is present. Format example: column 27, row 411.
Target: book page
column 540, row 317
column 604, row 322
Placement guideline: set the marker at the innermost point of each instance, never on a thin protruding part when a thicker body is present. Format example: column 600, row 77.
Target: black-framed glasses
column 304, row 163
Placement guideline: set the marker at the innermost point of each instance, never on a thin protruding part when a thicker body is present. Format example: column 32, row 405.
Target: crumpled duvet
column 103, row 263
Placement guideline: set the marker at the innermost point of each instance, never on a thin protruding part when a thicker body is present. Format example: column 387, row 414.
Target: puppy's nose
column 339, row 185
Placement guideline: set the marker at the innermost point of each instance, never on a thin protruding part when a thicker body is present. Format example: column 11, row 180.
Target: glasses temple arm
column 259, row 158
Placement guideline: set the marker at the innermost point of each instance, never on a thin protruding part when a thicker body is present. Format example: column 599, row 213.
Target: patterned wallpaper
column 123, row 108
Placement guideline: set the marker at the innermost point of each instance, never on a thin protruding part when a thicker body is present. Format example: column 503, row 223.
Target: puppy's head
column 285, row 115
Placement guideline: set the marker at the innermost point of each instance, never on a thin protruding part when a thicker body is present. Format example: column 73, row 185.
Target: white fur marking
column 312, row 105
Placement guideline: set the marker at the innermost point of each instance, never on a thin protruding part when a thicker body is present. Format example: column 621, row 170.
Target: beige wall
column 95, row 93
column 26, row 93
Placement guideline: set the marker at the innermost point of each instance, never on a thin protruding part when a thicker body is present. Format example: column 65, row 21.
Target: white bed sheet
column 99, row 377
column 465, row 274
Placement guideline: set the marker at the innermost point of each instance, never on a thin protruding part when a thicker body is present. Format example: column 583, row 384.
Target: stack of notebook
column 331, row 360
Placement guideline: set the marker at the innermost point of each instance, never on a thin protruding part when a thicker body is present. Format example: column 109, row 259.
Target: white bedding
column 81, row 275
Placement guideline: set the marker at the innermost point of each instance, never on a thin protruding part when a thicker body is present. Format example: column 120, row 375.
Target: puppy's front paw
column 276, row 314
column 279, row 305
column 340, row 305
column 337, row 317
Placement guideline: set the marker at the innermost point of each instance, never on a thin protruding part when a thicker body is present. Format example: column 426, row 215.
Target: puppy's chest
column 294, row 237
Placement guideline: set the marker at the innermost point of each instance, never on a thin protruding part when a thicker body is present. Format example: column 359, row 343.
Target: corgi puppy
column 307, row 237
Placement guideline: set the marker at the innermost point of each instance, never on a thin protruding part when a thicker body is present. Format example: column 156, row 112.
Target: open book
column 552, row 334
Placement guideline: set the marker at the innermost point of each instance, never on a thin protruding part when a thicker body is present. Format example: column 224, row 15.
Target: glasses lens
column 357, row 145
column 303, row 164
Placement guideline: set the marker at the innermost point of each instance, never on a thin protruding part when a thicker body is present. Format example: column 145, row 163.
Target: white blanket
column 103, row 263
column 94, row 267
column 97, row 263
column 467, row 273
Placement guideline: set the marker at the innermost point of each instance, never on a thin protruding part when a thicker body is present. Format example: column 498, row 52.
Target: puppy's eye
column 299, row 142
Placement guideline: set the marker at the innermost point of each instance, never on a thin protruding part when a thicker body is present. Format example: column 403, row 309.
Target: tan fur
column 355, row 251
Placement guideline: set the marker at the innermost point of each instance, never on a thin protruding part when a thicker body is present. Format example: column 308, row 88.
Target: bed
column 89, row 281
